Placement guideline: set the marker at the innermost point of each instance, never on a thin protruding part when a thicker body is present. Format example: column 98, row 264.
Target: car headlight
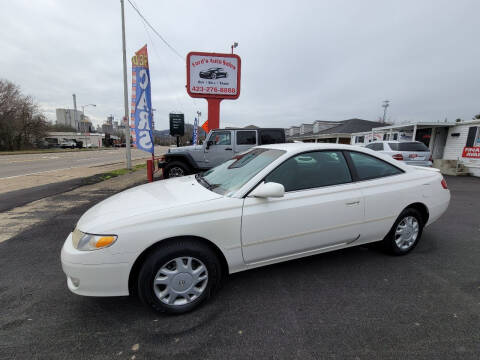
column 83, row 241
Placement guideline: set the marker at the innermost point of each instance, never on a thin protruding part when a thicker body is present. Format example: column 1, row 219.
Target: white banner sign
column 213, row 75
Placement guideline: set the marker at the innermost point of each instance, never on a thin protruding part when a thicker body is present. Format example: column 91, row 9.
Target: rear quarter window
column 370, row 167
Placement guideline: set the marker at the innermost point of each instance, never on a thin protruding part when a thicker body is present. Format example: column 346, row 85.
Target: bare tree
column 22, row 125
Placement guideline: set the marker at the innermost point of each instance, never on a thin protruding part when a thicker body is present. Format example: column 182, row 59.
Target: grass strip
column 118, row 172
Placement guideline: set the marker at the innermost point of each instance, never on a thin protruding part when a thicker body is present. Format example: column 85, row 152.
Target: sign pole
column 213, row 113
column 125, row 93
column 178, row 141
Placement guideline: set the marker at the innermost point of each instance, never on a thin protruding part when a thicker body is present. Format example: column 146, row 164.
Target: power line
column 156, row 32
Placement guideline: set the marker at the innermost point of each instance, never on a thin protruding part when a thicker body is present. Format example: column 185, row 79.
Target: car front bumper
column 89, row 278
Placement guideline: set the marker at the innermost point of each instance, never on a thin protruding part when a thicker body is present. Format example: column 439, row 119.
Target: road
column 353, row 304
column 28, row 164
column 29, row 177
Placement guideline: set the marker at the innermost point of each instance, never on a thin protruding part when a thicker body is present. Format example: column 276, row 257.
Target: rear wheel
column 178, row 277
column 176, row 169
column 405, row 233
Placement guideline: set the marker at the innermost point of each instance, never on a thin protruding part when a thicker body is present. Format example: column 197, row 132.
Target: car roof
column 394, row 141
column 301, row 147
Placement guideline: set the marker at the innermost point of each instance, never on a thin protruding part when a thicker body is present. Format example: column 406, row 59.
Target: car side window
column 246, row 137
column 311, row 170
column 369, row 167
column 271, row 137
column 221, row 138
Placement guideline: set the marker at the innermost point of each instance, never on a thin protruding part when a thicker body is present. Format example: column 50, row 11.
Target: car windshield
column 233, row 174
column 408, row 146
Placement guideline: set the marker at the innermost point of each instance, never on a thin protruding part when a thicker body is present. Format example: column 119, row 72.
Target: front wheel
column 175, row 169
column 405, row 233
column 178, row 277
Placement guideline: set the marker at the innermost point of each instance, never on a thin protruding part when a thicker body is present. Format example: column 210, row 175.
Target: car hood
column 144, row 199
column 186, row 148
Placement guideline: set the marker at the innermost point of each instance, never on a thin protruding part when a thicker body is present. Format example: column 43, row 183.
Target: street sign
column 177, row 124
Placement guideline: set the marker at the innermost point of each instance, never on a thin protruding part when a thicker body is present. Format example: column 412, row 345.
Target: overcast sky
column 301, row 60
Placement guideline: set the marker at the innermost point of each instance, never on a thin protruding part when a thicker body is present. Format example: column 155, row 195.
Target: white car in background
column 410, row 152
column 173, row 241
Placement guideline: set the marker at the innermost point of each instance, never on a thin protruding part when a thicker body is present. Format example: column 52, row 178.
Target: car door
column 219, row 148
column 384, row 188
column 321, row 208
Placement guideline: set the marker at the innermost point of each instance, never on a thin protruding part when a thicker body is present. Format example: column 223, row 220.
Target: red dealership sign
column 471, row 152
column 214, row 77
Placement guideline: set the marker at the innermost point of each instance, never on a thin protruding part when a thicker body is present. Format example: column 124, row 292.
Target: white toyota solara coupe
column 173, row 241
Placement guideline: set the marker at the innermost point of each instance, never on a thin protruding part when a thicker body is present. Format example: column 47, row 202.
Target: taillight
column 444, row 184
column 398, row 157
column 431, row 159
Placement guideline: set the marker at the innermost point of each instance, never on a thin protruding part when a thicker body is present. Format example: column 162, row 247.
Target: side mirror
column 209, row 143
column 267, row 190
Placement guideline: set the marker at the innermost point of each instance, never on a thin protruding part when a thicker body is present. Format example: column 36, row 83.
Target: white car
column 173, row 241
column 410, row 152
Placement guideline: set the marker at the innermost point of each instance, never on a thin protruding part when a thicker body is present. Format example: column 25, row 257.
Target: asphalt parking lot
column 351, row 304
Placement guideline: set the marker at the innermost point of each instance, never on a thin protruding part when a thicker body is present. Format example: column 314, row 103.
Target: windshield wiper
column 202, row 181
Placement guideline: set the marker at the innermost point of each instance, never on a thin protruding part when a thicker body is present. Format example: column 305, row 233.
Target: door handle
column 353, row 203
column 228, row 148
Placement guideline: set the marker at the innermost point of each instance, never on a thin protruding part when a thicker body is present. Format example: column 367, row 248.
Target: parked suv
column 410, row 152
column 219, row 146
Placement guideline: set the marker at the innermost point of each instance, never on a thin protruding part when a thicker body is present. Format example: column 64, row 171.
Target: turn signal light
column 444, row 184
column 104, row 241
column 398, row 157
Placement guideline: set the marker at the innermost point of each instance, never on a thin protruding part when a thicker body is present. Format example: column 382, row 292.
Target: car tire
column 162, row 275
column 176, row 169
column 405, row 233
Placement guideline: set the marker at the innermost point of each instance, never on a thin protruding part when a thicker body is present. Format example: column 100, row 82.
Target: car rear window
column 408, row 146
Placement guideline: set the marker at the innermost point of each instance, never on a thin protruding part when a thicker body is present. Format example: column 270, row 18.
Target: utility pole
column 125, row 92
column 385, row 105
